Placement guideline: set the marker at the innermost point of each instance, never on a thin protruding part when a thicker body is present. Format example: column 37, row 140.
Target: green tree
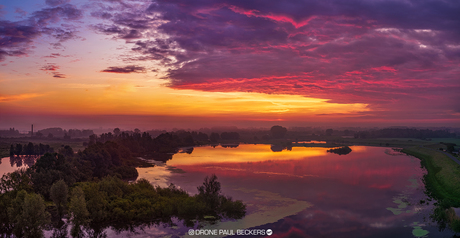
column 209, row 192
column 78, row 210
column 58, row 193
column 28, row 215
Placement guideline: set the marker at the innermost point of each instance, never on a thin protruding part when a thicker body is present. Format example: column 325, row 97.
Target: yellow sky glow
column 133, row 99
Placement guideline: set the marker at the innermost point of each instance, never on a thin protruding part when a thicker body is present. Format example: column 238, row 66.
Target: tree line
column 142, row 144
column 30, row 149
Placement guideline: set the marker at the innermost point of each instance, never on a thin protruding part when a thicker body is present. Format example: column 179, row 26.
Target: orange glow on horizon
column 132, row 99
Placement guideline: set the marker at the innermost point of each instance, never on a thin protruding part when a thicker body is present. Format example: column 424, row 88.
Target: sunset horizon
column 181, row 64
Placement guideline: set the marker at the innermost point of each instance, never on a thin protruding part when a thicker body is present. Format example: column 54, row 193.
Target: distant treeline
column 404, row 133
column 59, row 132
column 30, row 149
column 143, row 143
column 55, row 132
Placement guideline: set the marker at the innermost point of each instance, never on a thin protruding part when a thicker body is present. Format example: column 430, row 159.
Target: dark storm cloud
column 15, row 37
column 125, row 70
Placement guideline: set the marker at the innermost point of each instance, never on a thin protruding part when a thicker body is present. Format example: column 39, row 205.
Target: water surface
column 371, row 192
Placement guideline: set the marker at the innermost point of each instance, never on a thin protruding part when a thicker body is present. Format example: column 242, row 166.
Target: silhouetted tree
column 12, row 150
column 278, row 131
column 29, row 149
column 210, row 191
column 18, row 150
column 116, row 131
column 214, row 137
column 230, row 136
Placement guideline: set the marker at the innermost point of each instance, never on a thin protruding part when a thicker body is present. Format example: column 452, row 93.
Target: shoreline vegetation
column 442, row 183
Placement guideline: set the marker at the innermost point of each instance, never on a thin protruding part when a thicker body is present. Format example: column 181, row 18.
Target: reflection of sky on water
column 368, row 192
column 10, row 164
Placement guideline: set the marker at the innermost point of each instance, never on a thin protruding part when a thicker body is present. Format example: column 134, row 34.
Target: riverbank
column 443, row 174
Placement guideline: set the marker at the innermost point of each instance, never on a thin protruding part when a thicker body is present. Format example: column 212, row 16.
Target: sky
column 189, row 64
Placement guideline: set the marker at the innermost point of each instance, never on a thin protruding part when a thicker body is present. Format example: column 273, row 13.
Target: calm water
column 305, row 192
column 10, row 164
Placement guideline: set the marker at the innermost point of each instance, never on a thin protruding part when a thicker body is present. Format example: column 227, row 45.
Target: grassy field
column 392, row 142
column 443, row 178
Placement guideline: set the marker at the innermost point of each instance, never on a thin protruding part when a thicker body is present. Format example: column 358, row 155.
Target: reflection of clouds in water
column 157, row 176
column 271, row 207
column 350, row 193
column 261, row 172
column 147, row 232
column 379, row 225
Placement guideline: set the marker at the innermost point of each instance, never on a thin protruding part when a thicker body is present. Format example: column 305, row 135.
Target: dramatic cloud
column 125, row 70
column 386, row 53
column 399, row 58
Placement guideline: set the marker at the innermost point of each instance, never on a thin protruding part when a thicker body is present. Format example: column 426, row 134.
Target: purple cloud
column 50, row 67
column 16, row 37
column 125, row 70
column 58, row 75
column 389, row 54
